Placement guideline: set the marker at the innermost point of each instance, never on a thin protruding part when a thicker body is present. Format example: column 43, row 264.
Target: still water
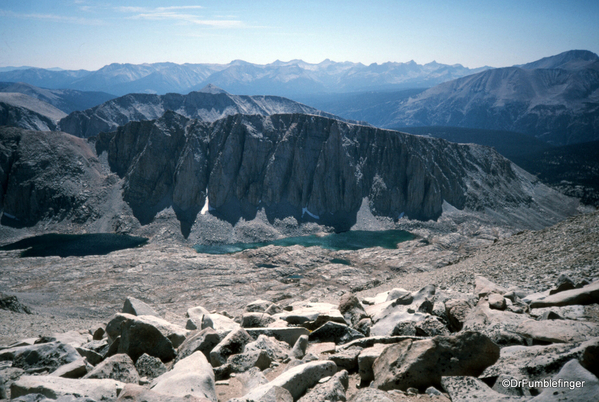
column 74, row 245
column 352, row 240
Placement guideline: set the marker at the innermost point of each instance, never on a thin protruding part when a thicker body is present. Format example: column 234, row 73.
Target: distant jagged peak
column 572, row 59
column 212, row 89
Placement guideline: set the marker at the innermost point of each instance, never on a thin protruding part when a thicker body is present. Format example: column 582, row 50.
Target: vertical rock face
column 46, row 174
column 309, row 167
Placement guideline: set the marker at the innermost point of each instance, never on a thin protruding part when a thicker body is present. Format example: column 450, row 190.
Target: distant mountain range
column 555, row 99
column 239, row 77
column 209, row 104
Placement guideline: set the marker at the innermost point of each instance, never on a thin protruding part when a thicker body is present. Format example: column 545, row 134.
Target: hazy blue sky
column 87, row 34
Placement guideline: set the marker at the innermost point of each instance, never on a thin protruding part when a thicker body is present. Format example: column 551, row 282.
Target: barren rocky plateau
column 449, row 256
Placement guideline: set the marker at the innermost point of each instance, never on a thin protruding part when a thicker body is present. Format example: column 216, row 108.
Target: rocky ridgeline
column 398, row 345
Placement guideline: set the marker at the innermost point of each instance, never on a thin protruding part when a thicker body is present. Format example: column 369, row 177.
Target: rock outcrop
column 314, row 169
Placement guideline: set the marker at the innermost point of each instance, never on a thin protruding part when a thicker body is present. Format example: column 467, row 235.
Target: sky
column 86, row 34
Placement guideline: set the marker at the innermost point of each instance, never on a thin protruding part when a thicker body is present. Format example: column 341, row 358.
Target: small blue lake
column 352, row 240
column 64, row 245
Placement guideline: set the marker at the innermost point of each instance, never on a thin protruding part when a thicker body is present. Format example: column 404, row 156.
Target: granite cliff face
column 47, row 175
column 209, row 104
column 314, row 169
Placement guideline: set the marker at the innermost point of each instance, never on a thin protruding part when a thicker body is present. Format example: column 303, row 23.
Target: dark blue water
column 352, row 240
column 74, row 245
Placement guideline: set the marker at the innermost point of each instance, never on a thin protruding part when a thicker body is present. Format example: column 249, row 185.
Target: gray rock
column 251, row 379
column 511, row 386
column 421, row 364
column 98, row 334
column 274, row 394
column 76, row 369
column 232, row 344
column 288, row 335
column 432, row 391
column 92, row 356
column 558, row 330
column 404, row 296
column 335, row 332
column 332, row 390
column 190, row 376
column 539, row 362
column 465, row 388
column 199, row 318
column 371, row 395
column 575, row 312
column 204, row 341
column 312, row 315
column 347, row 359
column 44, row 356
column 136, row 393
column 457, row 310
column 242, row 362
column 351, row 309
column 150, row 366
column 55, row 387
column 299, row 349
column 564, row 282
column 11, row 303
column 577, row 384
column 258, row 306
column 275, row 349
column 297, row 380
column 256, row 320
column 484, row 287
column 119, row 367
column 174, row 333
column 138, row 336
column 588, row 294
column 497, row 301
column 365, row 360
column 500, row 326
column 136, row 307
column 42, row 398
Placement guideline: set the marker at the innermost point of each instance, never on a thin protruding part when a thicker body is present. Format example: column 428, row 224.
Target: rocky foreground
column 465, row 314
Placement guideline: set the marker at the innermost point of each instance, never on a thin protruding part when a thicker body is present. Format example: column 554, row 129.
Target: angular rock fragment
column 558, row 330
column 299, row 349
column 256, row 320
column 242, row 362
column 190, row 376
column 288, row 335
column 40, row 357
column 296, row 381
column 351, row 309
column 204, row 341
column 332, row 390
column 588, row 294
column 136, row 393
column 199, row 318
column 136, row 307
column 572, row 383
column 76, row 369
column 421, row 364
column 119, row 367
column 150, row 366
column 55, row 387
column 335, row 332
column 466, row 388
column 275, row 349
column 232, row 344
column 365, row 360
column 258, row 306
column 371, row 395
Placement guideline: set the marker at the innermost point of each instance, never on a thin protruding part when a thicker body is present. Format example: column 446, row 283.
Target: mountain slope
column 210, row 104
column 555, row 99
column 67, row 100
column 19, row 110
column 240, row 77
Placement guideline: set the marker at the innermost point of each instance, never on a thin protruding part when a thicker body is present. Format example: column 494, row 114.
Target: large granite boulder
column 190, row 376
column 421, row 364
column 55, row 387
column 38, row 357
column 119, row 367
